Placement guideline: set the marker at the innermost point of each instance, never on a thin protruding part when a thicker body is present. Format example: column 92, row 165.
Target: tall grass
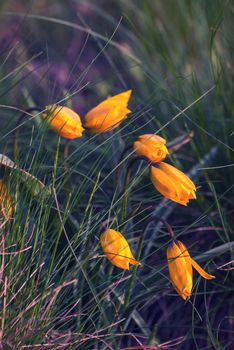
column 58, row 291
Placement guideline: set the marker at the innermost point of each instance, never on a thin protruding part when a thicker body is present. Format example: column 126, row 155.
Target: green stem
column 126, row 189
column 169, row 228
column 138, row 254
column 121, row 160
column 65, row 154
column 56, row 162
column 132, row 279
column 67, row 177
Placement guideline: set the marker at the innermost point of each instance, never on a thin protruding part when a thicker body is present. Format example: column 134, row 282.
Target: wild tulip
column 117, row 250
column 152, row 147
column 64, row 121
column 173, row 183
column 108, row 114
column 180, row 265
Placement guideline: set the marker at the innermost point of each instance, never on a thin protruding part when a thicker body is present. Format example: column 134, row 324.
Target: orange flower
column 64, row 121
column 151, row 146
column 116, row 249
column 180, row 265
column 108, row 114
column 5, row 201
column 173, row 183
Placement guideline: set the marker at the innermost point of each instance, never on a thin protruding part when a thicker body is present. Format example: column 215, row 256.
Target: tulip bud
column 180, row 265
column 64, row 121
column 116, row 249
column 173, row 183
column 108, row 114
column 151, row 147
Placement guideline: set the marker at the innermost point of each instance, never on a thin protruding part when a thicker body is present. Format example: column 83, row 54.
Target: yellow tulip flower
column 180, row 265
column 5, row 201
column 151, row 146
column 117, row 250
column 173, row 183
column 108, row 114
column 64, row 121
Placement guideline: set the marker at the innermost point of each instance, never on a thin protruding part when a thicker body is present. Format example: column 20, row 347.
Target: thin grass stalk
column 126, row 188
column 19, row 121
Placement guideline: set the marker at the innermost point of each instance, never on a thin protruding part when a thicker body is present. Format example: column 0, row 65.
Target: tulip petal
column 120, row 99
column 163, row 183
column 174, row 184
column 180, row 274
column 168, row 187
column 202, row 272
column 108, row 114
column 117, row 250
column 187, row 258
column 151, row 147
column 178, row 175
column 64, row 121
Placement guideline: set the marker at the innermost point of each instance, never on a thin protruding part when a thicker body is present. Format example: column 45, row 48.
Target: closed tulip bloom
column 173, row 183
column 180, row 265
column 108, row 114
column 117, row 250
column 152, row 147
column 5, row 201
column 64, row 121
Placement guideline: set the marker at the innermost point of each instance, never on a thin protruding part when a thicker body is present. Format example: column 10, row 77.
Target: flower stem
column 126, row 188
column 120, row 162
column 133, row 276
column 67, row 177
column 157, row 218
column 65, row 155
column 139, row 249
